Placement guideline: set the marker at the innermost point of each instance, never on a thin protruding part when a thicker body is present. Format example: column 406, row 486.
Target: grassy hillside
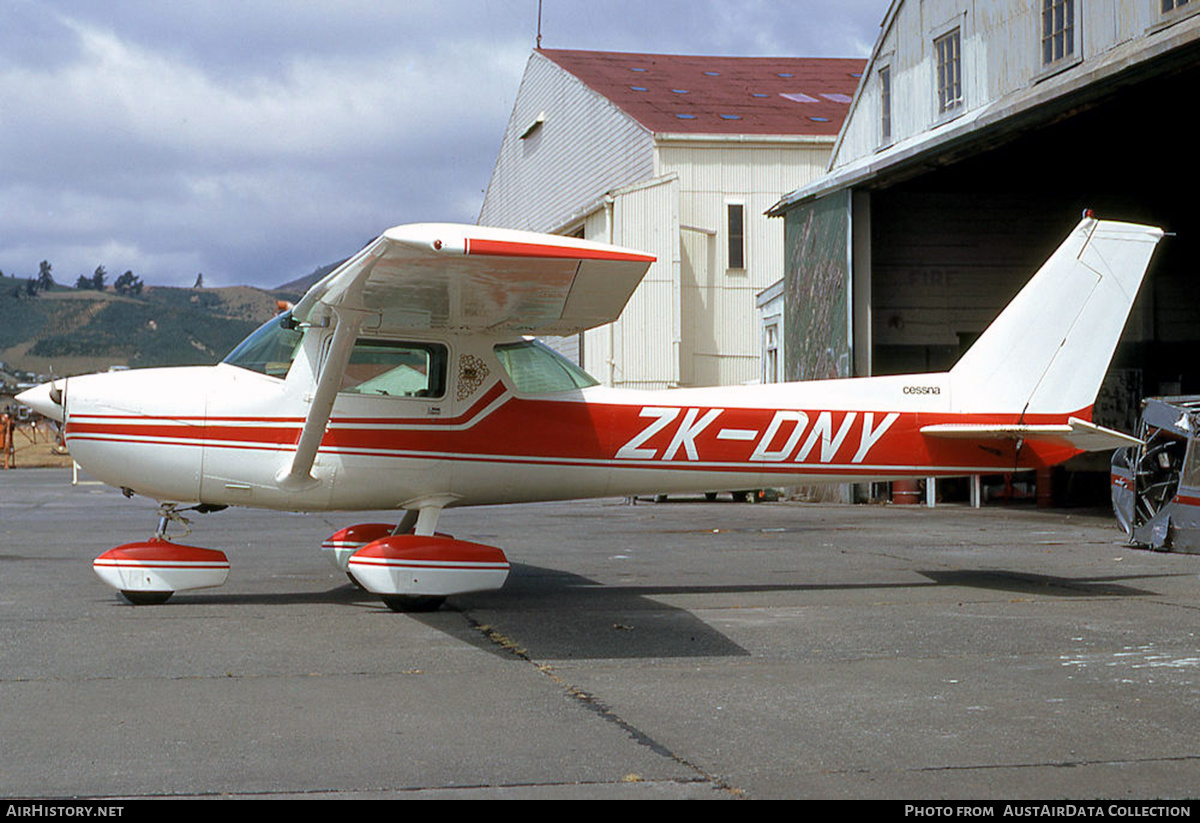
column 73, row 331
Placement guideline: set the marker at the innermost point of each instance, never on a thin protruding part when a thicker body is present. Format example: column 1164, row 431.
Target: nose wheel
column 412, row 603
column 146, row 598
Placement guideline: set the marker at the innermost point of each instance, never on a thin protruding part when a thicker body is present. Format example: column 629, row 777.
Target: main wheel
column 147, row 598
column 412, row 602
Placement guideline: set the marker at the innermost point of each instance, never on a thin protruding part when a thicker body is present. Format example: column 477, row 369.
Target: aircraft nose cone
column 45, row 399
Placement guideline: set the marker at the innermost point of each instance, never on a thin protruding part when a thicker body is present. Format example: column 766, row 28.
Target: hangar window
column 1058, row 31
column 771, row 361
column 948, row 51
column 736, row 222
column 1171, row 12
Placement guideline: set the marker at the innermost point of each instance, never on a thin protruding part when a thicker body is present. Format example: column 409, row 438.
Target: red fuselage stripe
column 558, row 433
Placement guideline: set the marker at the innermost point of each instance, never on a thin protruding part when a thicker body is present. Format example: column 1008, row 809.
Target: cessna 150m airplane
column 408, row 379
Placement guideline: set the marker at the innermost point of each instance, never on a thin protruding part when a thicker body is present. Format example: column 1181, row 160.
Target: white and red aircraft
column 407, row 379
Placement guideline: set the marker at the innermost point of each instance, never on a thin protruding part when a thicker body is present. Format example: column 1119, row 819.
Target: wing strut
column 299, row 474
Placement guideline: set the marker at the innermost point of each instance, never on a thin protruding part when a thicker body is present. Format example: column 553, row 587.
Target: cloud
column 253, row 145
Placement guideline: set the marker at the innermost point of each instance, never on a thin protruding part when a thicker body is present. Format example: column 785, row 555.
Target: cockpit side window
column 394, row 368
column 270, row 349
column 535, row 368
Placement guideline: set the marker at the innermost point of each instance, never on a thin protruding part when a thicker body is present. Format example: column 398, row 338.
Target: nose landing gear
column 148, row 572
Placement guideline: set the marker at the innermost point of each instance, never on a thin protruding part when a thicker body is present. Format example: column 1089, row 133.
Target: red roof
column 721, row 95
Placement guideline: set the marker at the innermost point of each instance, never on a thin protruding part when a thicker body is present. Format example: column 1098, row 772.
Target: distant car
column 753, row 495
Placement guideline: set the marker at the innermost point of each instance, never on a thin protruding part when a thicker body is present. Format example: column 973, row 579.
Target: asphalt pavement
column 685, row 649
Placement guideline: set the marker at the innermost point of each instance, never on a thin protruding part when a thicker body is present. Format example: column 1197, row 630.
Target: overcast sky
column 252, row 141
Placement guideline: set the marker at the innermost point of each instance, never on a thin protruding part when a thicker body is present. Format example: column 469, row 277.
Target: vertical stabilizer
column 1049, row 350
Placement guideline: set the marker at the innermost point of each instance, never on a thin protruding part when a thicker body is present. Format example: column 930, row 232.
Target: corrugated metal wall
column 817, row 328
column 641, row 350
column 1001, row 53
column 720, row 334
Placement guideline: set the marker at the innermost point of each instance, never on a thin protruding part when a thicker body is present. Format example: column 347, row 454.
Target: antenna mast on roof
column 539, row 33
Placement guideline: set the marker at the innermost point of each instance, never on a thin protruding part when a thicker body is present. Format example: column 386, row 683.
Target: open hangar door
column 954, row 241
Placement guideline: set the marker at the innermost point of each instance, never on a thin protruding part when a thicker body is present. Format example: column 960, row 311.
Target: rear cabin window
column 537, row 369
column 390, row 368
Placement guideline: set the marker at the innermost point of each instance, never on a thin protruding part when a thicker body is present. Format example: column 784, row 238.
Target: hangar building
column 980, row 132
column 679, row 156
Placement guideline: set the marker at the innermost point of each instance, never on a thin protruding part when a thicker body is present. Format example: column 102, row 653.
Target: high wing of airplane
column 408, row 379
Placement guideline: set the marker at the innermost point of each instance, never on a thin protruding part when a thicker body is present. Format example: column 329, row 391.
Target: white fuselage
column 221, row 435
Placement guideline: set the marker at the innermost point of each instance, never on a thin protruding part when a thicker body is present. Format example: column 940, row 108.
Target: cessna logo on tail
column 789, row 435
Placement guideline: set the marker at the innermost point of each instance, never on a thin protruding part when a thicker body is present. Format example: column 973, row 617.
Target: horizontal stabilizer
column 1076, row 433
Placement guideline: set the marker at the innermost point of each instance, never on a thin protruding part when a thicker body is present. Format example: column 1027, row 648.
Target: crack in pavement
column 598, row 707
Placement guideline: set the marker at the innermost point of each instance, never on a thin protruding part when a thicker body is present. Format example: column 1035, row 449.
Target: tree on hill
column 128, row 283
column 83, row 282
column 45, row 278
column 98, row 278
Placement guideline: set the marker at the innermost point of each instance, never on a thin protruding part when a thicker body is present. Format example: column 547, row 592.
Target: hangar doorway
column 954, row 240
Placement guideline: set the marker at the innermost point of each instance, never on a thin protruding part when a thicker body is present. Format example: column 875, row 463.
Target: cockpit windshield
column 270, row 349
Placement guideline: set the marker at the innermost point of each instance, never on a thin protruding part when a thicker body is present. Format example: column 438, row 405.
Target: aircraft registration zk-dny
column 409, row 379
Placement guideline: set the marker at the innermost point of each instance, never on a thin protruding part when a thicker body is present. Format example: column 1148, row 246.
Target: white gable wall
column 584, row 148
column 587, row 166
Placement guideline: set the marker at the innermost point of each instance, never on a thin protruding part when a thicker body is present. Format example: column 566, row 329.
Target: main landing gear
column 409, row 566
